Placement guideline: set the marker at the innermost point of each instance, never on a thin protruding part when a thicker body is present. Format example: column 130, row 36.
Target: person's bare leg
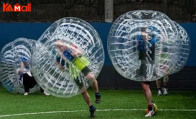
column 165, row 84
column 165, row 80
column 147, row 92
column 92, row 109
column 158, row 83
column 94, row 84
column 93, row 81
column 86, row 97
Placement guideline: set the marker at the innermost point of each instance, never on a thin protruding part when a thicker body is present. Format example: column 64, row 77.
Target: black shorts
column 79, row 83
column 85, row 71
column 146, row 82
column 28, row 81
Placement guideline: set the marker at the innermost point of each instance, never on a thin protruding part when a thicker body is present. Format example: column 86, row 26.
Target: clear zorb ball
column 143, row 45
column 11, row 55
column 184, row 48
column 67, row 81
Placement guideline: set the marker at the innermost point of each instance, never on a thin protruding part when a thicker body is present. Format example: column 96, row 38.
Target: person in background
column 26, row 77
column 164, row 91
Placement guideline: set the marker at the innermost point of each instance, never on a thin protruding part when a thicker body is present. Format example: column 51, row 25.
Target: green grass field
column 116, row 104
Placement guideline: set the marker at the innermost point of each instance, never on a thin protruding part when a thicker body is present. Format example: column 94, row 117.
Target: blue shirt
column 142, row 43
column 67, row 54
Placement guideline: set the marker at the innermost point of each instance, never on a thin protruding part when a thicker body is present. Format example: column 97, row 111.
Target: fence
column 94, row 10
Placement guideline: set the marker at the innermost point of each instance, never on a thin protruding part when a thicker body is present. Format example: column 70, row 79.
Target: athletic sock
column 150, row 107
column 97, row 94
column 91, row 107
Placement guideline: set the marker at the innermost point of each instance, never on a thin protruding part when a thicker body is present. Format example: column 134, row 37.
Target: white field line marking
column 99, row 110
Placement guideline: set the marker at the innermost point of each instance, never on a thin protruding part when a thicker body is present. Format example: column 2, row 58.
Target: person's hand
column 76, row 54
column 61, row 68
column 22, row 66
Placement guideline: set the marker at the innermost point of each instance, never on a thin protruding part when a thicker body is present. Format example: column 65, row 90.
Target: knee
column 85, row 94
column 145, row 86
column 91, row 76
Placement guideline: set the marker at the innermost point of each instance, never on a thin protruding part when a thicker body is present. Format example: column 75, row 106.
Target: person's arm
column 60, row 62
column 21, row 69
column 75, row 52
column 30, row 68
column 60, row 66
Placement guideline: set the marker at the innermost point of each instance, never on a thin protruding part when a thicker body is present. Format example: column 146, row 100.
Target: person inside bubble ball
column 26, row 76
column 69, row 53
column 146, row 48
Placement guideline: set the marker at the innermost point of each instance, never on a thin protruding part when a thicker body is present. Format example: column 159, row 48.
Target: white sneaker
column 159, row 93
column 26, row 93
column 165, row 91
column 45, row 93
column 150, row 113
